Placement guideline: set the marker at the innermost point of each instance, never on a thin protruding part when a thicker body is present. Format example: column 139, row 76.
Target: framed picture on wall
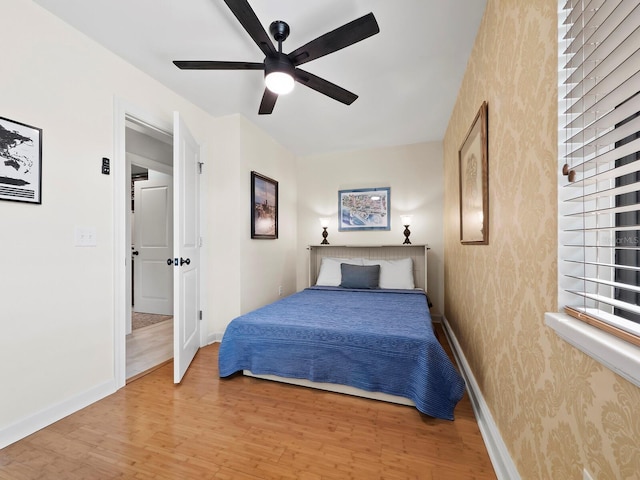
column 264, row 207
column 474, row 182
column 20, row 162
column 364, row 209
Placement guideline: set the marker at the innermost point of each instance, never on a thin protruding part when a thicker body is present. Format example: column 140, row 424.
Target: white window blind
column 599, row 150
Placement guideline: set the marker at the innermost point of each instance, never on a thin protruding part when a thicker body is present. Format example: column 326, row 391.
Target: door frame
column 122, row 228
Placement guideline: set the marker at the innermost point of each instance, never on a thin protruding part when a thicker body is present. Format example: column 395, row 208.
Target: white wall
column 143, row 145
column 267, row 264
column 249, row 271
column 57, row 300
column 224, row 216
column 415, row 175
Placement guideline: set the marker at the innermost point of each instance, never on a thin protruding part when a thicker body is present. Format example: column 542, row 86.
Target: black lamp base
column 324, row 236
column 407, row 232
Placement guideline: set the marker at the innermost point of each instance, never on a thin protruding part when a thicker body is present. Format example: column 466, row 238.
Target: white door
column 186, row 245
column 153, row 244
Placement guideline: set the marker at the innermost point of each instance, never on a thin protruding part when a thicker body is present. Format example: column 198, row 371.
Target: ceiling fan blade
column 327, row 88
column 341, row 37
column 248, row 19
column 268, row 102
column 214, row 65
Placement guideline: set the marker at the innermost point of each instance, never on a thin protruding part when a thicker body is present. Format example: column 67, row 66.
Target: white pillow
column 330, row 274
column 394, row 273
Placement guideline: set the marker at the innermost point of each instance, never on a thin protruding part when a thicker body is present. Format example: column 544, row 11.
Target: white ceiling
column 407, row 76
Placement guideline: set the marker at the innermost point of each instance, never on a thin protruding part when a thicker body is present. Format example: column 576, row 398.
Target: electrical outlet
column 586, row 475
column 280, row 291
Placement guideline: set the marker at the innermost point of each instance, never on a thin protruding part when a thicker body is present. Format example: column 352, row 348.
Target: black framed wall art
column 264, row 207
column 20, row 162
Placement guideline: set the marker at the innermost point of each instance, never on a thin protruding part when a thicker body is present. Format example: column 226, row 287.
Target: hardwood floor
column 246, row 428
column 148, row 347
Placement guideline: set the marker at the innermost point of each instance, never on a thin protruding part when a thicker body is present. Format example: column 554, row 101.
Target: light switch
column 85, row 237
column 106, row 168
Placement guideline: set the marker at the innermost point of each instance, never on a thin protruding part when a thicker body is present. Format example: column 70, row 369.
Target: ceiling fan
column 280, row 69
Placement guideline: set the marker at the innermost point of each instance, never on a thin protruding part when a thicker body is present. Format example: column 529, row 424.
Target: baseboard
column 31, row 424
column 214, row 337
column 498, row 452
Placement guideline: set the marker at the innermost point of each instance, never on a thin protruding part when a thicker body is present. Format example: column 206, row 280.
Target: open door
column 186, row 247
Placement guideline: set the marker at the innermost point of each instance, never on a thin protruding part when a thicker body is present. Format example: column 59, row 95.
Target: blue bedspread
column 376, row 340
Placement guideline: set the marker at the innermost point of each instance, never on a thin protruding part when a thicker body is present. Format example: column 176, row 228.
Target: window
column 627, row 241
column 599, row 153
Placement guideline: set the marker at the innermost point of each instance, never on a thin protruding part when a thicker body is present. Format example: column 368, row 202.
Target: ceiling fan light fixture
column 279, row 82
column 278, row 74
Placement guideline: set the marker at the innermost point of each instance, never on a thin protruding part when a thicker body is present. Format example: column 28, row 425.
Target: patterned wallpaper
column 558, row 410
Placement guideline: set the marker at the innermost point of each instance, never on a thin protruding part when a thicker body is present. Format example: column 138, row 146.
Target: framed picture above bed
column 364, row 209
column 264, row 207
column 474, row 182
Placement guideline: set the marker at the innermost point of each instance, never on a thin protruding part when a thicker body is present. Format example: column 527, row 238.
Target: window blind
column 599, row 153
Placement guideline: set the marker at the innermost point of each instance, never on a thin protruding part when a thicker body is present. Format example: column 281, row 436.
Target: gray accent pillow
column 358, row 276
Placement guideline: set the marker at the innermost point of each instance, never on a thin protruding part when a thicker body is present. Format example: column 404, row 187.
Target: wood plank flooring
column 246, row 428
column 148, row 347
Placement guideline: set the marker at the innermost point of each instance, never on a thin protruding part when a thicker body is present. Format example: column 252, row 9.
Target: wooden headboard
column 418, row 254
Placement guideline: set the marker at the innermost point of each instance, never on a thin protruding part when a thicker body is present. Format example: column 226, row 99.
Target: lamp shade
column 406, row 219
column 324, row 222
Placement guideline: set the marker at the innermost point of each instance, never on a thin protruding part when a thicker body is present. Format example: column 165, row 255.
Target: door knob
column 169, row 261
column 184, row 260
column 135, row 252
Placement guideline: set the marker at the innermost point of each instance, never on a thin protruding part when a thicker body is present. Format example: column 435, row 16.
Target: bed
column 351, row 337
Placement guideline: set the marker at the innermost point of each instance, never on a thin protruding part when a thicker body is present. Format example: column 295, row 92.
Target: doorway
column 186, row 167
column 149, row 159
